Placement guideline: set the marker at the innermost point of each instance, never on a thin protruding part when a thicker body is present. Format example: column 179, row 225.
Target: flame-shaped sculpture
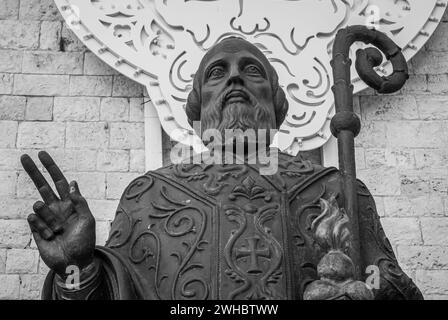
column 336, row 269
column 331, row 228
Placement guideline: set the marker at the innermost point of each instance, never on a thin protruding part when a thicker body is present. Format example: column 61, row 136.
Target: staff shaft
column 345, row 125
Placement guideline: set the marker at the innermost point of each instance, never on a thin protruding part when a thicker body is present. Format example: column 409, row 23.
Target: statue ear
column 193, row 107
column 281, row 105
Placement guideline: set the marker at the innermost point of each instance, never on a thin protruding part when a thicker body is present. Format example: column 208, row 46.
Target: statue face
column 236, row 91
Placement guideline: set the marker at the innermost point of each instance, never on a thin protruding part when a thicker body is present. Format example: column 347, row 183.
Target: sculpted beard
column 238, row 115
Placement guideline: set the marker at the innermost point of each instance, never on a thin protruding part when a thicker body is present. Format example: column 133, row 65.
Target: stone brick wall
column 402, row 156
column 56, row 95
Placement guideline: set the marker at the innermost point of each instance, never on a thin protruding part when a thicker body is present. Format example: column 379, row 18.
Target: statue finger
column 78, row 200
column 38, row 179
column 51, row 219
column 47, row 194
column 39, row 228
column 56, row 174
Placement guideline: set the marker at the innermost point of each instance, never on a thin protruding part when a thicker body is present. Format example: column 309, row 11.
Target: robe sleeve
column 376, row 250
column 112, row 281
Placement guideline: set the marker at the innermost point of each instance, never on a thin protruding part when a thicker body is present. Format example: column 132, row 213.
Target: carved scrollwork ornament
column 152, row 43
column 180, row 220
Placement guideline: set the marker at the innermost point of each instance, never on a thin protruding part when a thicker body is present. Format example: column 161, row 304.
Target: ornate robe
column 197, row 231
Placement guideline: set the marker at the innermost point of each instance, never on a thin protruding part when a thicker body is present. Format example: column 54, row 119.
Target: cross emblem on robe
column 254, row 253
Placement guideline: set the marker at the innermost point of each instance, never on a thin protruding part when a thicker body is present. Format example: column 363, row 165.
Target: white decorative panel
column 159, row 43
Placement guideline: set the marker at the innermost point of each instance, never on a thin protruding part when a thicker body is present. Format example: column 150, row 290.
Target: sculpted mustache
column 222, row 98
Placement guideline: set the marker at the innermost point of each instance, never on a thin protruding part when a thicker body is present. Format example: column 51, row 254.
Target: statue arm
column 64, row 230
column 107, row 279
column 88, row 284
column 376, row 250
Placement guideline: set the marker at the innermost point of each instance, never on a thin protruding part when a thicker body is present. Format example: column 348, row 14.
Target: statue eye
column 253, row 70
column 216, row 72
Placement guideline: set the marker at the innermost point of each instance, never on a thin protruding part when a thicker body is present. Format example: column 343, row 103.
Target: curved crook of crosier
column 368, row 59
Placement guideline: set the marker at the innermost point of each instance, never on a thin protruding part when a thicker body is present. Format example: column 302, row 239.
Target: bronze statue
column 220, row 231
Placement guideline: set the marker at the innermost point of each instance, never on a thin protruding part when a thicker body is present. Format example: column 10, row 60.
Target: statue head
column 235, row 87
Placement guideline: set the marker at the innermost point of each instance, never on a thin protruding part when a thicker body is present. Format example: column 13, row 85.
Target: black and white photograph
column 223, row 150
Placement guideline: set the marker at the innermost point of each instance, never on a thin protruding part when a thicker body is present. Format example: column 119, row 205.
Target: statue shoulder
column 144, row 184
column 138, row 201
column 296, row 171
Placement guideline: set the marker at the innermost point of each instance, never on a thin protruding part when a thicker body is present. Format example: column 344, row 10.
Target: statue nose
column 235, row 78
